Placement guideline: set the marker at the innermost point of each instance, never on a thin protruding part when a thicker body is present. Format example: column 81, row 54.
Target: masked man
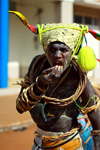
column 56, row 88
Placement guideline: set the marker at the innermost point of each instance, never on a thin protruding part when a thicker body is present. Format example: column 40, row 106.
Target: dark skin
column 59, row 56
column 54, row 118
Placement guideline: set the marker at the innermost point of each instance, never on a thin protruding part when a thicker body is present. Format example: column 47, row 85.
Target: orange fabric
column 71, row 145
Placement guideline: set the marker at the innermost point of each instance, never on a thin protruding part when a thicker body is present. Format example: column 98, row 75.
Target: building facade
column 24, row 45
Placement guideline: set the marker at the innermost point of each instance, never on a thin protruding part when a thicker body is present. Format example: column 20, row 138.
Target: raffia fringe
column 58, row 137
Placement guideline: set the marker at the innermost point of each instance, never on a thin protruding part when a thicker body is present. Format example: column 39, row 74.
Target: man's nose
column 58, row 54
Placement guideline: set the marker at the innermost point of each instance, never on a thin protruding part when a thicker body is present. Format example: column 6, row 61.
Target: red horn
column 33, row 28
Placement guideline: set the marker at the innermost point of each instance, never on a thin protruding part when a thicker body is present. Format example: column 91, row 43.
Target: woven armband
column 25, row 101
column 46, row 88
column 29, row 99
column 22, row 105
column 29, row 93
column 95, row 132
column 19, row 105
column 32, row 93
column 94, row 107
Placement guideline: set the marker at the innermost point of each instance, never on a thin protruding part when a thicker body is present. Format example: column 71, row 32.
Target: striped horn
column 95, row 34
column 33, row 28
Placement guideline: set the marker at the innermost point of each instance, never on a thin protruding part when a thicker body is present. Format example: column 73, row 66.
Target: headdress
column 70, row 34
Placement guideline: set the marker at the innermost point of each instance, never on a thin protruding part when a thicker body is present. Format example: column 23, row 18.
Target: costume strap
column 41, row 30
column 84, row 29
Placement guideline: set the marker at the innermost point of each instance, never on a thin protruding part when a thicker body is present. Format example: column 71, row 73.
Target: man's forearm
column 96, row 140
column 29, row 97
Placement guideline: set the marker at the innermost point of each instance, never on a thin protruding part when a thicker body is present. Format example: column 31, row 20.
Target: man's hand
column 50, row 75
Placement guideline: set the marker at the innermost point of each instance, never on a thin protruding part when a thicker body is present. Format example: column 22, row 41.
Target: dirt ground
column 17, row 140
column 14, row 139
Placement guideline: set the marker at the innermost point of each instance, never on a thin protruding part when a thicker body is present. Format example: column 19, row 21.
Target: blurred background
column 18, row 46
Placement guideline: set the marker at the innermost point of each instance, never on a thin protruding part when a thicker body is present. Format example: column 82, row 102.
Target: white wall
column 21, row 39
column 66, row 12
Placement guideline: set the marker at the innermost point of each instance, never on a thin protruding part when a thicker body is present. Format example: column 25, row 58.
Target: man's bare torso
column 61, row 118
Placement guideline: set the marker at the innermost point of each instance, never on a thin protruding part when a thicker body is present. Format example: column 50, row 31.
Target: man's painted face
column 58, row 54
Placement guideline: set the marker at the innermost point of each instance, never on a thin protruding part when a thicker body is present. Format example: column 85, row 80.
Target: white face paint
column 67, row 63
column 59, row 54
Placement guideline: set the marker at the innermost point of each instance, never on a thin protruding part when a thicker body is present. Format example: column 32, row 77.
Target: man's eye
column 63, row 50
column 52, row 50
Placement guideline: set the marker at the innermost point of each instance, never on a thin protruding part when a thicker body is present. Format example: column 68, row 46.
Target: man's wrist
column 42, row 86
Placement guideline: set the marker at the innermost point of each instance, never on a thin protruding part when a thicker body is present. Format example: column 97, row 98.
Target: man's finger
column 47, row 71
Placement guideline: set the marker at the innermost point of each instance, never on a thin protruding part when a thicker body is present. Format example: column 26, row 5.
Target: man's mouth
column 59, row 63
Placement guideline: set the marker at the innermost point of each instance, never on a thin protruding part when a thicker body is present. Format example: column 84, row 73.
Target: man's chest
column 63, row 90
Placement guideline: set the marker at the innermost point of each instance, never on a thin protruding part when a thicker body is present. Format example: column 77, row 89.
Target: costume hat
column 70, row 34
